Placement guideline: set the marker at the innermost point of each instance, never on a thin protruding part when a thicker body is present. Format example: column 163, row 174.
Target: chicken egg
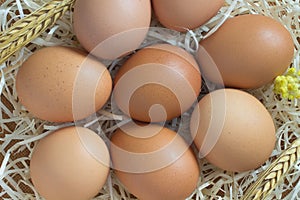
column 70, row 163
column 248, row 51
column 150, row 159
column 62, row 84
column 158, row 83
column 233, row 130
column 109, row 29
column 184, row 15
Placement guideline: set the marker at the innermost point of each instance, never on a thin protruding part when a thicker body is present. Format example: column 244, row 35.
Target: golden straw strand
column 25, row 30
column 30, row 27
column 274, row 174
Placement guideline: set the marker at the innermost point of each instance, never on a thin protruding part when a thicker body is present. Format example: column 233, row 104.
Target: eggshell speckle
column 157, row 83
column 153, row 162
column 233, row 130
column 71, row 163
column 61, row 84
column 248, row 51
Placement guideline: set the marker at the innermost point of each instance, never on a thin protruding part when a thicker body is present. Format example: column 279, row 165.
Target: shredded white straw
column 18, row 142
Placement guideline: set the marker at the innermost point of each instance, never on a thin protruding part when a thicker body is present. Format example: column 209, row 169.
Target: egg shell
column 70, row 163
column 233, row 130
column 183, row 15
column 248, row 51
column 62, row 84
column 157, row 83
column 150, row 159
column 111, row 28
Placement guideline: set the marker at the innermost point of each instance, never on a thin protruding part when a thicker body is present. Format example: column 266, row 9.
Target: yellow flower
column 288, row 85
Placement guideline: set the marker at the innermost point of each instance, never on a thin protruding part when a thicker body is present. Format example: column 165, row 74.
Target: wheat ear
column 274, row 174
column 25, row 30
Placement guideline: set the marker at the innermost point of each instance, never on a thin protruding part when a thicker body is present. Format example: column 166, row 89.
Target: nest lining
column 20, row 130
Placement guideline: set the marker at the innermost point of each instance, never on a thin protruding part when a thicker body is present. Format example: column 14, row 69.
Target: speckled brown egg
column 153, row 162
column 184, row 15
column 109, row 29
column 62, row 84
column 233, row 130
column 70, row 163
column 157, row 83
column 248, row 51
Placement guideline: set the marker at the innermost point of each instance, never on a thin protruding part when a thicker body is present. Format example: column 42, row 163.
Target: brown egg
column 111, row 28
column 183, row 15
column 153, row 162
column 61, row 84
column 248, row 51
column 233, row 130
column 157, row 83
column 70, row 163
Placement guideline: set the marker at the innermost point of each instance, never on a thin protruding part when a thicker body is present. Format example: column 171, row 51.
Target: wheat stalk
column 25, row 30
column 30, row 27
column 274, row 174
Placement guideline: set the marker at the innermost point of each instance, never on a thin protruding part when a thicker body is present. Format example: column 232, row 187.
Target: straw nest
column 27, row 25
